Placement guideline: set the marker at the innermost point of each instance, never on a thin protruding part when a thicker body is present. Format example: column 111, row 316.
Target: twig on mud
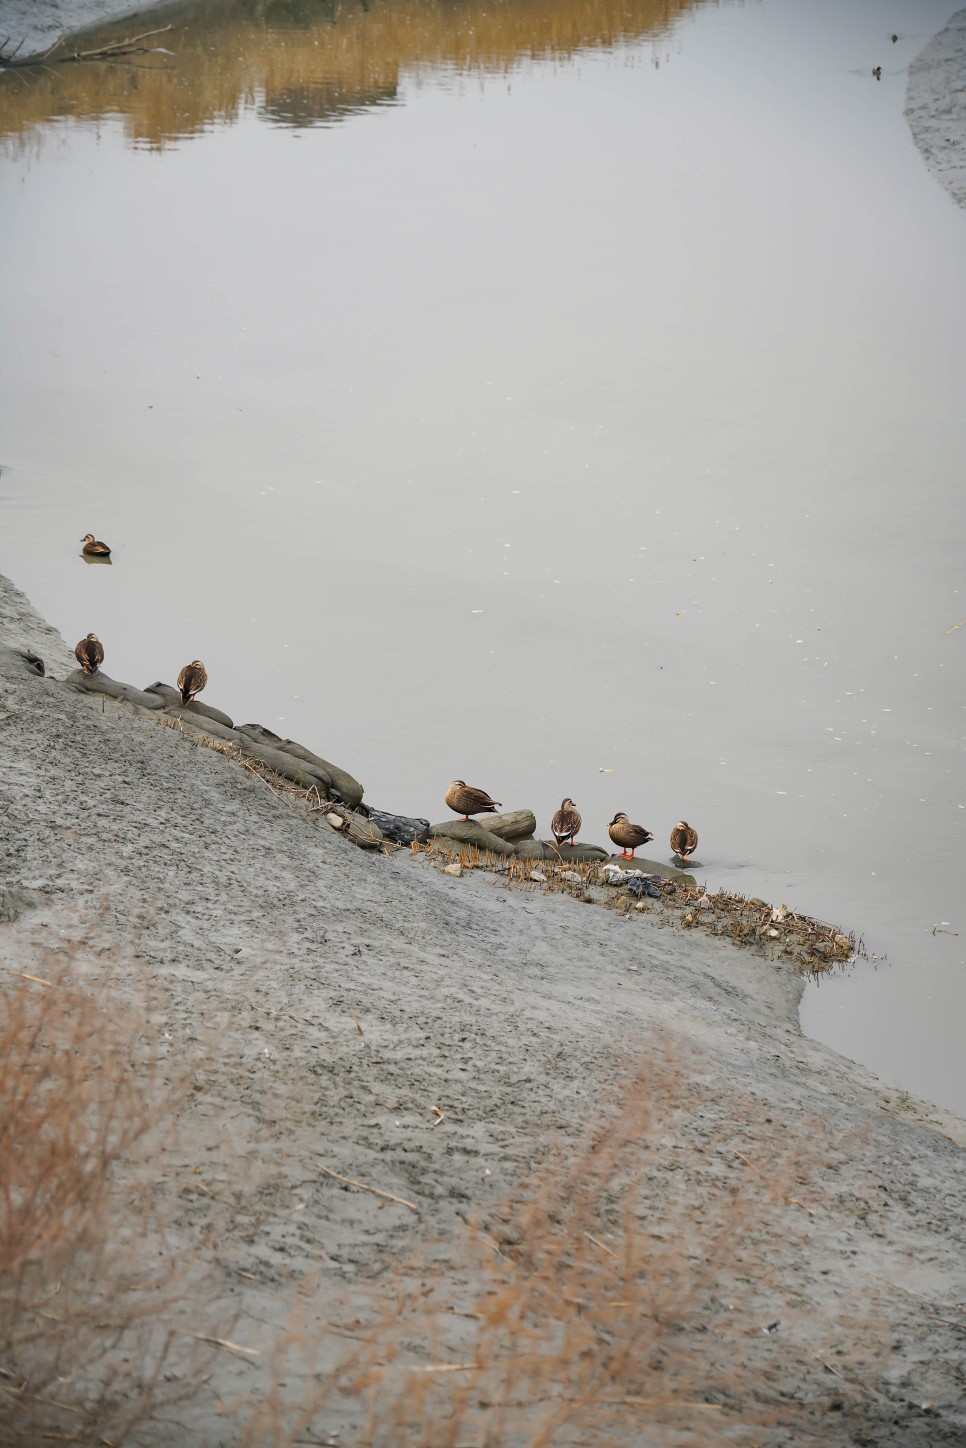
column 955, row 626
column 37, row 979
column 224, row 1342
column 350, row 1181
column 959, row 1326
column 113, row 50
column 598, row 1243
column 9, row 714
column 443, row 1367
column 440, row 1116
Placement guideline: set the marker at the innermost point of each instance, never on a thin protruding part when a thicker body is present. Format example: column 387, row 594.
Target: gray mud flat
column 437, row 1038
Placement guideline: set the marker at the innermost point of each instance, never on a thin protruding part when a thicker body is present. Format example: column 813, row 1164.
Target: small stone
column 773, row 934
column 641, row 905
column 454, row 869
column 704, row 903
column 569, row 875
column 779, row 913
column 539, row 877
column 336, row 821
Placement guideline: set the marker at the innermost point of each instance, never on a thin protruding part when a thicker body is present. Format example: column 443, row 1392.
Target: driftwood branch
column 114, row 50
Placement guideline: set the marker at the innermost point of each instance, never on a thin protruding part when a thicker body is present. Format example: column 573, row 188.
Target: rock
column 401, row 829
column 362, row 832
column 202, row 725
column 33, row 661
column 342, row 786
column 705, row 903
column 468, row 832
column 171, row 697
column 304, row 775
column 653, row 867
column 101, row 683
column 570, row 876
column 544, row 850
column 539, row 876
column 515, row 824
column 454, row 869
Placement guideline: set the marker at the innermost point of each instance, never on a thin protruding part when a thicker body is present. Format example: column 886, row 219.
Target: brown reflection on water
column 301, row 62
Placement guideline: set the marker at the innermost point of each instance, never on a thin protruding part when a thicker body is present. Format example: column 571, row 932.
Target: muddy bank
column 936, row 106
column 350, row 1017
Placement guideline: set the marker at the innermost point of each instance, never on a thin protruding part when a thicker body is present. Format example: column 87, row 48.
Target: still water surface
column 520, row 392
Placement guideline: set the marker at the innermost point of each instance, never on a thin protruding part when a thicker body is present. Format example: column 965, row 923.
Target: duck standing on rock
column 89, row 653
column 94, row 548
column 565, row 825
column 192, row 680
column 684, row 840
column 463, row 799
column 628, row 836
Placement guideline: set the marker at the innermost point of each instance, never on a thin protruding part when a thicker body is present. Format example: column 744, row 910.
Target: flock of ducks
column 89, row 652
column 464, row 799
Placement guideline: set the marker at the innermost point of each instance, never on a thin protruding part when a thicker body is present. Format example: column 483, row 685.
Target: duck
column 463, row 799
column 628, row 836
column 89, row 653
column 192, row 680
column 684, row 840
column 565, row 825
column 877, row 71
column 94, row 548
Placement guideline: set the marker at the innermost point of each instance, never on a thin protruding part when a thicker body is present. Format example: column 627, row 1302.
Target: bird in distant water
column 94, row 548
column 192, row 680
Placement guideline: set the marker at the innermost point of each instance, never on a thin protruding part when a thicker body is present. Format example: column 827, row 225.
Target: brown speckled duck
column 89, row 653
column 94, row 548
column 463, row 799
column 684, row 840
column 192, row 680
column 628, row 836
column 565, row 825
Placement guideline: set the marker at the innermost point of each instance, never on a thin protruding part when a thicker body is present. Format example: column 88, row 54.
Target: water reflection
column 306, row 62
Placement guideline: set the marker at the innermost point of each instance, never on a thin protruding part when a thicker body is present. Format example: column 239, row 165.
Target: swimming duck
column 684, row 840
column 94, row 548
column 628, row 836
column 877, row 71
column 192, row 680
column 463, row 799
column 89, row 653
column 565, row 825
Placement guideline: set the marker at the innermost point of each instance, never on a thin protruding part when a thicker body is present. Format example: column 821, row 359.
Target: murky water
column 522, row 392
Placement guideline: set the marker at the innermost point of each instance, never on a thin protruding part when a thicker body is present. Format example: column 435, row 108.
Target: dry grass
column 83, row 1299
column 641, row 1291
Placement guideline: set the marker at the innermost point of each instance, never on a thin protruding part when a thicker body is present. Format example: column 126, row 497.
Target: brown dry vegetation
column 302, row 69
column 626, row 1297
column 83, row 1300
column 618, row 1297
